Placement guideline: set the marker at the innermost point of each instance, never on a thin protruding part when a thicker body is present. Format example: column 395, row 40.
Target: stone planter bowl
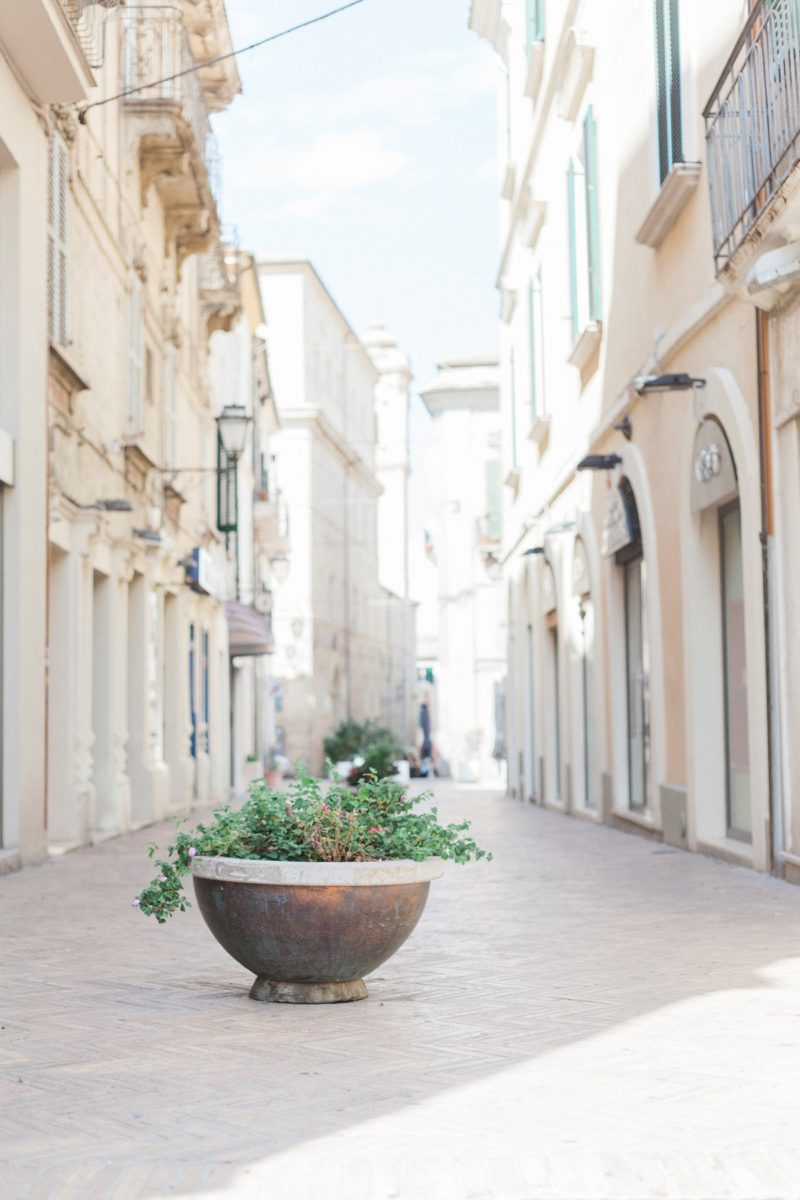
column 310, row 931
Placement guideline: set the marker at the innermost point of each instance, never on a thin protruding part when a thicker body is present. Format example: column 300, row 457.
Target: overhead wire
column 210, row 62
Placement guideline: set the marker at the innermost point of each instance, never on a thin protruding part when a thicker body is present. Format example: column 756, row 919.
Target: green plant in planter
column 376, row 820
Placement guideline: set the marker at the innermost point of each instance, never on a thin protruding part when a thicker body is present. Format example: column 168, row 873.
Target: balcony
column 169, row 126
column 753, row 141
column 219, row 285
column 271, row 523
column 87, row 18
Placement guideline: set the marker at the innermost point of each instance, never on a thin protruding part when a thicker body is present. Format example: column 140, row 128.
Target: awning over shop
column 248, row 631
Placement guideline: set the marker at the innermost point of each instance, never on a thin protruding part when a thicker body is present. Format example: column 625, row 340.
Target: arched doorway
column 551, row 709
column 630, row 560
column 584, row 639
column 717, row 518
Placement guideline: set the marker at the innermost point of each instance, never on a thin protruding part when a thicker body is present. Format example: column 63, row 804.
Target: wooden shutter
column 532, row 356
column 170, row 397
column 668, row 86
column 135, row 374
column 592, row 215
column 57, row 200
column 227, row 492
column 494, row 499
column 573, row 251
column 534, row 22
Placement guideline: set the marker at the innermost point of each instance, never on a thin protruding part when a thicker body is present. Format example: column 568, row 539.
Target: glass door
column 638, row 685
column 734, row 665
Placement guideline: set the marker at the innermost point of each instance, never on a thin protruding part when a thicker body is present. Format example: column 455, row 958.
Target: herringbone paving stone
column 590, row 1016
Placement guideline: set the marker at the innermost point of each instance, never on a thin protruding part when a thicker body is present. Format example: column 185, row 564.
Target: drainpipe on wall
column 767, row 536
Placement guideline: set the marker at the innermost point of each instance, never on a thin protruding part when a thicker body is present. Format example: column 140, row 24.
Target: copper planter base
column 308, row 993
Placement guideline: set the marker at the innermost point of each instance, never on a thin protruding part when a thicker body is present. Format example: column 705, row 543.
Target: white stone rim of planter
column 384, row 871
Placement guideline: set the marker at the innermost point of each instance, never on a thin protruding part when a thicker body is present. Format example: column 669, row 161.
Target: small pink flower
column 162, row 879
column 376, row 829
column 192, row 852
column 325, row 808
column 315, row 843
column 339, row 812
column 135, row 903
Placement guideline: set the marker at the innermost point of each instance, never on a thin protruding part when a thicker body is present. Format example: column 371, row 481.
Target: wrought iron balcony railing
column 87, row 18
column 753, row 123
column 155, row 53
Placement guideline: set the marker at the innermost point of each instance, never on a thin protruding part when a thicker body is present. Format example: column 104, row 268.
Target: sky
column 367, row 144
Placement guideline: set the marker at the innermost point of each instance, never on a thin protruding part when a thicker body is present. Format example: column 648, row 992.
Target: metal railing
column 156, row 48
column 87, row 18
column 753, row 123
column 219, row 266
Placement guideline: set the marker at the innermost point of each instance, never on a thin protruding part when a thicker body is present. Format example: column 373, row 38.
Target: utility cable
column 210, row 62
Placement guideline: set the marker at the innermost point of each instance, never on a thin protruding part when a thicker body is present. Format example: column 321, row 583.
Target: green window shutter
column 532, row 348
column 513, row 398
column 494, row 500
column 227, row 492
column 573, row 251
column 668, row 86
column 534, row 22
column 592, row 215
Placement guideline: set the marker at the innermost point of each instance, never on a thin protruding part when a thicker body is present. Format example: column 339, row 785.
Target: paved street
column 591, row 1015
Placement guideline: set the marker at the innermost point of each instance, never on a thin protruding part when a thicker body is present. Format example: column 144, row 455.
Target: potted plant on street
column 311, row 889
column 273, row 775
column 358, row 749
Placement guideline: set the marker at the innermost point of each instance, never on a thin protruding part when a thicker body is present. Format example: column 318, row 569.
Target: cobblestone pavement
column 591, row 1015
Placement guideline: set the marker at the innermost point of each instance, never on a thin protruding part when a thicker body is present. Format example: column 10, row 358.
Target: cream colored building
column 342, row 646
column 141, row 561
column 466, row 530
column 653, row 658
column 393, row 470
column 46, row 51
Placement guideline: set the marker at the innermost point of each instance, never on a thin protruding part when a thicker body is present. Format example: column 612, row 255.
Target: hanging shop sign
column 204, row 575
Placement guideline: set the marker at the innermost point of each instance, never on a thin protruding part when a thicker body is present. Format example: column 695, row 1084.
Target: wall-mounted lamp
column 105, row 506
column 233, row 423
column 666, row 383
column 279, row 566
column 598, row 462
column 148, row 535
column 625, row 427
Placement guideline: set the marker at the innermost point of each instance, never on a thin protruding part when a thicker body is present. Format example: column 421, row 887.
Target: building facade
column 393, row 469
column 648, row 335
column 466, row 534
column 47, row 50
column 340, row 649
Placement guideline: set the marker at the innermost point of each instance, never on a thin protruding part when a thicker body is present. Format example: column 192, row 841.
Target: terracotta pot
column 273, row 779
column 310, row 931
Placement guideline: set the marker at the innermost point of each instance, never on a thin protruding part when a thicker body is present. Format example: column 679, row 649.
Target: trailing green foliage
column 377, row 820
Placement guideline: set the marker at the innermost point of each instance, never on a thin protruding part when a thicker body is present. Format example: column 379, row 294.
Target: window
column 534, row 22
column 734, row 662
column 584, row 231
column 494, row 500
column 536, row 345
column 630, row 558
column 57, row 191
column 135, row 373
column 668, row 86
column 170, row 404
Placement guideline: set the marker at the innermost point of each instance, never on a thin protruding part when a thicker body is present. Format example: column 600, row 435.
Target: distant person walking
column 426, row 750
